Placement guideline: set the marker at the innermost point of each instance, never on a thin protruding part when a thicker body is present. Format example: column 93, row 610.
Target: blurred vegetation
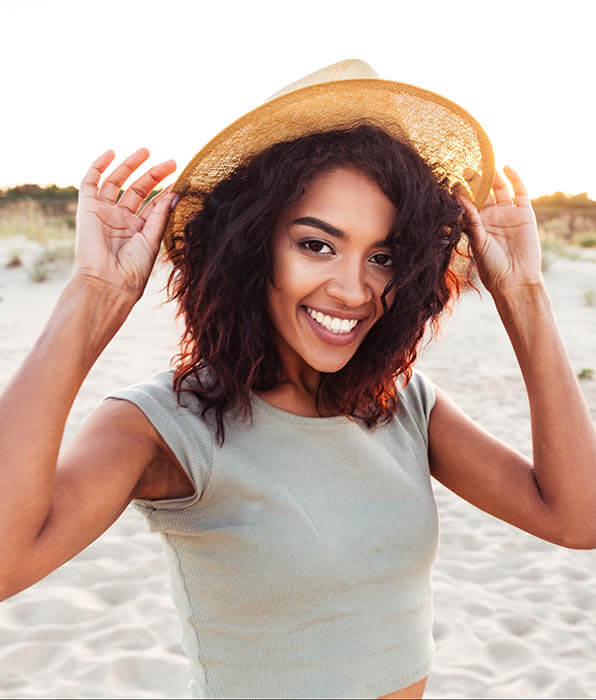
column 51, row 196
column 566, row 200
column 589, row 297
column 29, row 218
column 52, row 199
column 571, row 218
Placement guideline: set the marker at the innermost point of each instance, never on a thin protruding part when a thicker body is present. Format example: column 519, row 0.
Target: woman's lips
column 328, row 336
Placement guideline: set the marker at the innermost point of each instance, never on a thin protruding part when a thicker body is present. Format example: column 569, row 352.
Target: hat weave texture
column 340, row 96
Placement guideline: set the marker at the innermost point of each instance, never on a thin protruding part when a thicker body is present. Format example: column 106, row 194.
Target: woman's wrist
column 100, row 289
column 521, row 295
column 88, row 314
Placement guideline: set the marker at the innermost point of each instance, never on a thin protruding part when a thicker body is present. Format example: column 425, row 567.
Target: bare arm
column 35, row 405
column 563, row 435
column 553, row 497
column 114, row 255
column 111, row 458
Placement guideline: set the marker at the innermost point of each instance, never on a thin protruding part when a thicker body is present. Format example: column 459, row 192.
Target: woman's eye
column 316, row 246
column 383, row 259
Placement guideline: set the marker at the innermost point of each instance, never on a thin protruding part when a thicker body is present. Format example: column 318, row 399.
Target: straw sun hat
column 334, row 97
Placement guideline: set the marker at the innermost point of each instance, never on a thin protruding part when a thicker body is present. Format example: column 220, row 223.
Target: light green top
column 301, row 566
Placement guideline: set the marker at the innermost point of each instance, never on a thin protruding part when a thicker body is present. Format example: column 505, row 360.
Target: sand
column 515, row 616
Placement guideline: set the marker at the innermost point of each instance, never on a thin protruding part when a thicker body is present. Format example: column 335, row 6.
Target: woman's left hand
column 504, row 237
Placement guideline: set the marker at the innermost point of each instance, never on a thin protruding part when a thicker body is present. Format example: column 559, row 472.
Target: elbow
column 578, row 540
column 571, row 527
column 6, row 590
column 581, row 544
column 11, row 584
column 6, row 586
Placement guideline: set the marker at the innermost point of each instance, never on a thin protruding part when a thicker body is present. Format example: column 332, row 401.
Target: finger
column 138, row 192
column 110, row 188
column 462, row 193
column 89, row 183
column 490, row 200
column 470, row 208
column 152, row 203
column 157, row 220
column 522, row 198
column 501, row 190
column 472, row 222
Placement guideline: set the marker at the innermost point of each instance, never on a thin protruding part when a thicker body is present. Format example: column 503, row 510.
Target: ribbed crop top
column 301, row 565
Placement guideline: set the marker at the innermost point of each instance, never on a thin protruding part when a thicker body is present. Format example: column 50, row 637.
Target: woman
column 287, row 458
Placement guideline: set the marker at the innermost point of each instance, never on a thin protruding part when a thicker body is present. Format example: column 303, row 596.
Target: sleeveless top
column 301, row 565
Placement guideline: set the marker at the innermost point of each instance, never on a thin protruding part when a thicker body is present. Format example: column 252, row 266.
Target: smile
column 340, row 326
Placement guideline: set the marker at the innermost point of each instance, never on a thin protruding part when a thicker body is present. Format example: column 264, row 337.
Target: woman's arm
column 555, row 496
column 115, row 251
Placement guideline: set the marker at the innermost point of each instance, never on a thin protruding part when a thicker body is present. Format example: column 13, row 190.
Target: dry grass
column 27, row 218
column 35, row 239
column 585, row 240
column 589, row 297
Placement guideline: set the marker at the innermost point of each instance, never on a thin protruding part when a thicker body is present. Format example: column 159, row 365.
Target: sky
column 81, row 77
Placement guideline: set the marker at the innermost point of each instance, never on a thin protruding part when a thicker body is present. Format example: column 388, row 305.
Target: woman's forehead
column 346, row 199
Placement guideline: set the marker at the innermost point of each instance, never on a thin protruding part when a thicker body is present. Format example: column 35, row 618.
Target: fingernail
column 175, row 201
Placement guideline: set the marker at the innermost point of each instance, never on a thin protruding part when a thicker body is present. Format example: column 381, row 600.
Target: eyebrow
column 330, row 229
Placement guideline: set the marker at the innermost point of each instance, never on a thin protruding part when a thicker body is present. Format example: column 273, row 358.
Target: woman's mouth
column 332, row 329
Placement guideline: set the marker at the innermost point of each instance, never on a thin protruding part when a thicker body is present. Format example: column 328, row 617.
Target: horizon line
column 3, row 188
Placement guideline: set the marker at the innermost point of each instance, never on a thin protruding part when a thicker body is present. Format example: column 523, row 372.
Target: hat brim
column 441, row 131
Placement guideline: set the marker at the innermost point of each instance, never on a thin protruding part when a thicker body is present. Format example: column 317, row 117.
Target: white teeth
column 334, row 324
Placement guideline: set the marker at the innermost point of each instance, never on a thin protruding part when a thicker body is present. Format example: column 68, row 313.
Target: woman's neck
column 296, row 397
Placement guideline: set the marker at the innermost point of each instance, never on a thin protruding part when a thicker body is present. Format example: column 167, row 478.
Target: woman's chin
column 327, row 365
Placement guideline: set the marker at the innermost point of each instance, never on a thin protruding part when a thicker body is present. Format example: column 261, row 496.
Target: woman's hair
column 220, row 276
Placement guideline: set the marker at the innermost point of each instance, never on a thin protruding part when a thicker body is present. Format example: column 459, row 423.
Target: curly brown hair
column 220, row 276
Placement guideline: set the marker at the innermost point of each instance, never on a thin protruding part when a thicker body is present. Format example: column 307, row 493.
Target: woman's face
column 331, row 264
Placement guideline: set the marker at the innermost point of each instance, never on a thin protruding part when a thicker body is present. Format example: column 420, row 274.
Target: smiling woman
column 329, row 289
column 349, row 223
column 286, row 458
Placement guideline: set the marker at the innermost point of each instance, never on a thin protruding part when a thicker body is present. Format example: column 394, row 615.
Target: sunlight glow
column 82, row 78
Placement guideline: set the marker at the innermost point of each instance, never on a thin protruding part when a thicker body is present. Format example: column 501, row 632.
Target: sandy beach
column 515, row 616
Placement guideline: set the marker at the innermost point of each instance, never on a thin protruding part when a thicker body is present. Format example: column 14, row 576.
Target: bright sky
column 81, row 77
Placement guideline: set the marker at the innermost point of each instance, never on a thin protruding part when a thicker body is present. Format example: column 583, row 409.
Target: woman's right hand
column 117, row 244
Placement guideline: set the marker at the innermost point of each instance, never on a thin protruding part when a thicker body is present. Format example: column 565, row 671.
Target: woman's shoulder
column 161, row 388
column 176, row 423
column 419, row 388
column 416, row 399
column 173, row 410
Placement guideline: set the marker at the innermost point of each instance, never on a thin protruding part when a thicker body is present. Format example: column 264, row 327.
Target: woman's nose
column 349, row 285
